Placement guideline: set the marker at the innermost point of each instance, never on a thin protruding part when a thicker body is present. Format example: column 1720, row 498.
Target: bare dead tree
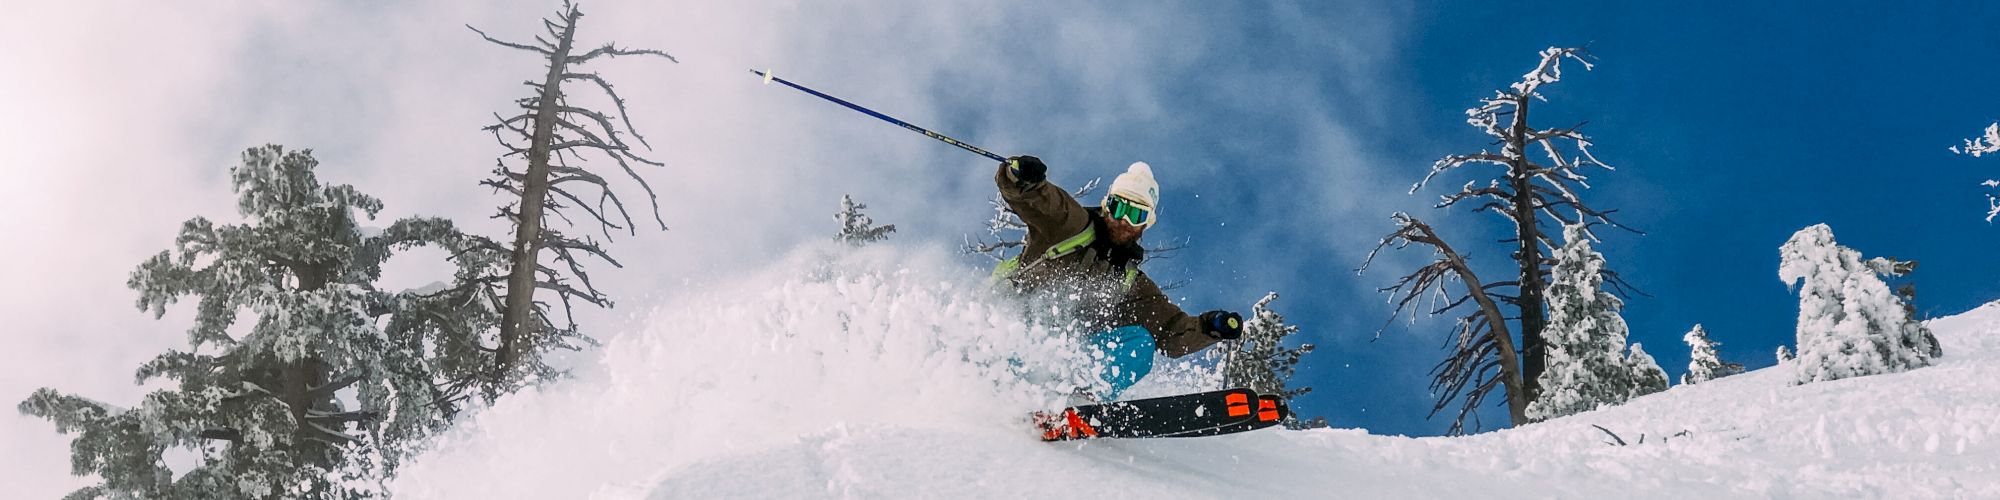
column 553, row 135
column 1528, row 191
column 1482, row 355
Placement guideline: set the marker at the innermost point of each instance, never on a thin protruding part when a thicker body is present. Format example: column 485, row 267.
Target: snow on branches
column 1979, row 146
column 1530, row 190
column 1850, row 324
column 857, row 228
column 263, row 405
column 1505, row 117
column 1704, row 364
column 1259, row 360
column 1589, row 366
column 1542, row 172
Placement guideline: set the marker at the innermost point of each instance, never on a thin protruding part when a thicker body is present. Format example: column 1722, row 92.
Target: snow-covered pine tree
column 1784, row 355
column 1891, row 268
column 1850, row 324
column 1588, row 365
column 1980, row 146
column 1704, row 364
column 1530, row 189
column 548, row 141
column 857, row 228
column 261, row 407
column 1647, row 376
column 1259, row 360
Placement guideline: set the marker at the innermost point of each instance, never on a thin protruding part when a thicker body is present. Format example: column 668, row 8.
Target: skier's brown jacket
column 1100, row 269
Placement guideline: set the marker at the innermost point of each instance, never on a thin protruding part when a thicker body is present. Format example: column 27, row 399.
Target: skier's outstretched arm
column 1046, row 209
column 1174, row 331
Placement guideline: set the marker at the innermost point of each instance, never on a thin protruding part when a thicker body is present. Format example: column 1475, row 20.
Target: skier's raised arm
column 1046, row 209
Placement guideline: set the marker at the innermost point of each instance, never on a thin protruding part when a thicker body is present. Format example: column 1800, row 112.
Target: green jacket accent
column 1006, row 268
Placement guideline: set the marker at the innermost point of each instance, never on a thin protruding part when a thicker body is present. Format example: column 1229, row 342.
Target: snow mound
column 829, row 337
column 885, row 373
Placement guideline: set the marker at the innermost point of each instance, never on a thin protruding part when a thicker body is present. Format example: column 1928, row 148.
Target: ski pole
column 768, row 78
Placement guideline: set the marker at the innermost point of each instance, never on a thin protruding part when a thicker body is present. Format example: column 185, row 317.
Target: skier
column 1085, row 261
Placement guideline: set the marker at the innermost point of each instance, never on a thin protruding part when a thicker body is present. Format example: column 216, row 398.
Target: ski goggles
column 1121, row 208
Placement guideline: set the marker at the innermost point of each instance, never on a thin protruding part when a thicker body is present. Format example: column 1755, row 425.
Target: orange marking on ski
column 1078, row 427
column 1267, row 410
column 1239, row 404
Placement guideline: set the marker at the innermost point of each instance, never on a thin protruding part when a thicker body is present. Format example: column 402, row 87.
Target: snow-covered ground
column 884, row 373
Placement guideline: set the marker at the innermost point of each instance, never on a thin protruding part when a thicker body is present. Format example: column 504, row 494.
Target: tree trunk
column 517, row 324
column 1533, row 351
column 299, row 376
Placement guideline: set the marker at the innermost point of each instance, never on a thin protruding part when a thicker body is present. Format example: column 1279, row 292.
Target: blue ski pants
column 1123, row 356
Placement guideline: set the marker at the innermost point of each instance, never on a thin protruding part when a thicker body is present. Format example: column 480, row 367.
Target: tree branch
column 511, row 45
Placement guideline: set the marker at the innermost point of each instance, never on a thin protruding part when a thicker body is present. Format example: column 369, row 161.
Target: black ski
column 1201, row 414
column 1271, row 412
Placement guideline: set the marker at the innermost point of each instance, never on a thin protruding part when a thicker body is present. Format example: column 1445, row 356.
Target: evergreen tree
column 260, row 406
column 1259, row 361
column 545, row 173
column 1891, row 268
column 1784, row 355
column 1850, row 324
column 1647, row 376
column 857, row 228
column 1703, row 362
column 1588, row 365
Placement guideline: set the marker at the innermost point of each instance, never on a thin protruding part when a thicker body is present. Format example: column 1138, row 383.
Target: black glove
column 1223, row 325
column 1027, row 170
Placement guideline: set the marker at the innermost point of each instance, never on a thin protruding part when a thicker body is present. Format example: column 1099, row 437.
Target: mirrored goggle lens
column 1124, row 209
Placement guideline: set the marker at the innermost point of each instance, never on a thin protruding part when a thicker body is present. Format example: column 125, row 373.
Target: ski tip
column 1063, row 426
column 1271, row 409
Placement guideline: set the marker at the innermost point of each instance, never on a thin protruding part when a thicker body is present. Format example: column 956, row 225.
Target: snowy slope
column 884, row 374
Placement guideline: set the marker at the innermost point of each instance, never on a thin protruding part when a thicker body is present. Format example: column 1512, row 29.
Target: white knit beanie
column 1137, row 185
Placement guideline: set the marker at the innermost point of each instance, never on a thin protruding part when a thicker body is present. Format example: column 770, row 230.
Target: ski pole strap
column 913, row 128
